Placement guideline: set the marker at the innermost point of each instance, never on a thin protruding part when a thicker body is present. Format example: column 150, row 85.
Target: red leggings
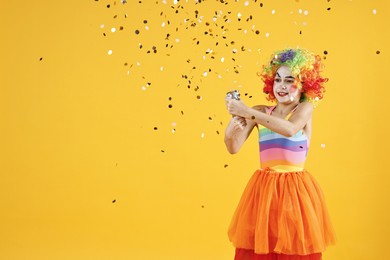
column 245, row 254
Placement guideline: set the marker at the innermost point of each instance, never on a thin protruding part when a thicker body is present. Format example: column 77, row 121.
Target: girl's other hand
column 239, row 122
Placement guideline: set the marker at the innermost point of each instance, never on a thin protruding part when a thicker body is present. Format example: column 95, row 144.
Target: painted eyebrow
column 288, row 77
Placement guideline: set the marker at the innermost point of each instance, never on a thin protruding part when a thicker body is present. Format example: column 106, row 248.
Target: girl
column 282, row 214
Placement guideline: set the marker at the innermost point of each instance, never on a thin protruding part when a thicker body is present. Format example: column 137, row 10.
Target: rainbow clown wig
column 304, row 66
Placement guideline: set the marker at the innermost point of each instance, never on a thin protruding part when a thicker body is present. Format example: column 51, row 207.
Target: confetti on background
column 216, row 52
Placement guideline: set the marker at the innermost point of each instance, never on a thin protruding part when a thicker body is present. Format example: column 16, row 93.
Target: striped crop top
column 282, row 153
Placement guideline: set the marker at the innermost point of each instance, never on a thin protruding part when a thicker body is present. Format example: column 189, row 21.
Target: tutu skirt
column 281, row 213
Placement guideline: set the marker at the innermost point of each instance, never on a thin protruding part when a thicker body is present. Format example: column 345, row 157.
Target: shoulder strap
column 292, row 111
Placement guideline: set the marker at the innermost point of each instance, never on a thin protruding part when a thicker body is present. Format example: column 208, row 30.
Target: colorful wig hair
column 304, row 66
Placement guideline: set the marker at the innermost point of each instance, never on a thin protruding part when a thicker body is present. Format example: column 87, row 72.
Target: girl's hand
column 236, row 126
column 239, row 122
column 236, row 107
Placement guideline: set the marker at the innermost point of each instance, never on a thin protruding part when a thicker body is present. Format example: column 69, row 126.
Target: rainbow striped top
column 282, row 153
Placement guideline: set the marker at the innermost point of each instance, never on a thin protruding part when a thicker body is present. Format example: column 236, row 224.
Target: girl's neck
column 285, row 109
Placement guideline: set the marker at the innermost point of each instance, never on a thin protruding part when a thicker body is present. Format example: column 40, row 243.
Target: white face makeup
column 285, row 87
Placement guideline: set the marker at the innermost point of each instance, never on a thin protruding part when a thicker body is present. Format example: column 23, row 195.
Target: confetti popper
column 234, row 94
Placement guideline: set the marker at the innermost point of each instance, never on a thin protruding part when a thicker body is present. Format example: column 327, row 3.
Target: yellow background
column 84, row 173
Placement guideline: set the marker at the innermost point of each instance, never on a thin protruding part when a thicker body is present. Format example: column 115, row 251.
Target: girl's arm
column 288, row 128
column 237, row 131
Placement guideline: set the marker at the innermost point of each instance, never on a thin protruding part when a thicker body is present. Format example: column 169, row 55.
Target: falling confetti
column 219, row 40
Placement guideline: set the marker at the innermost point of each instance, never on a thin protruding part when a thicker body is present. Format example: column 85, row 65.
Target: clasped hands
column 237, row 109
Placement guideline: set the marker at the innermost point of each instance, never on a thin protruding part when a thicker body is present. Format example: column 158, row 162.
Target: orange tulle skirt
column 281, row 214
column 245, row 254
